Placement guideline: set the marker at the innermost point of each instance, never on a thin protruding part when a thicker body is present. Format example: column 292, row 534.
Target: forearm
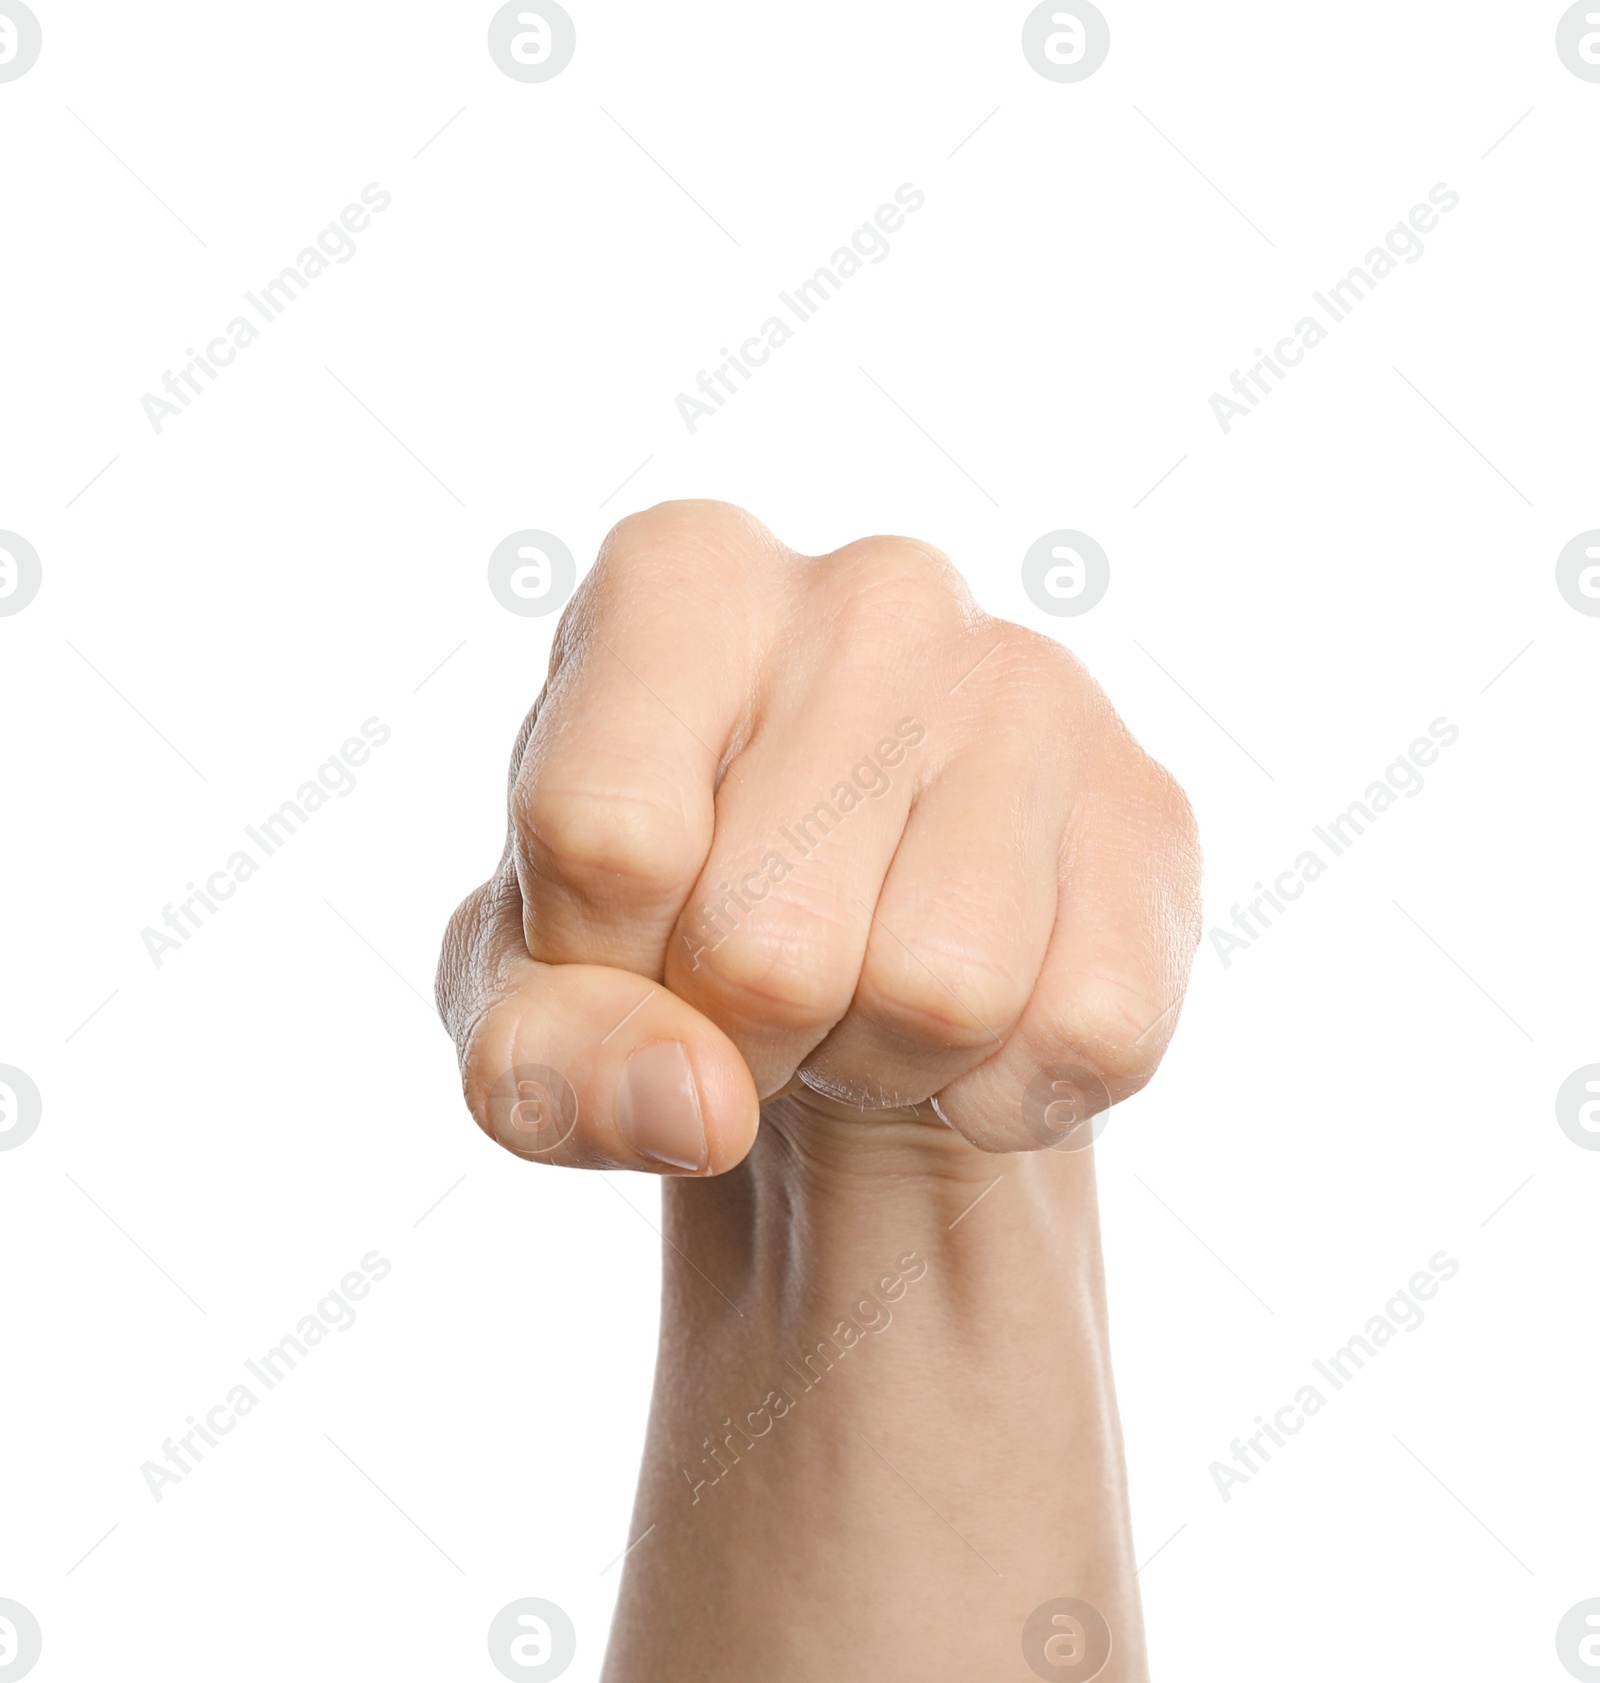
column 884, row 1430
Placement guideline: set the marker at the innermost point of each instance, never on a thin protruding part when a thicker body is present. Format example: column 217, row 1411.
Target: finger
column 771, row 941
column 612, row 806
column 582, row 1065
column 1111, row 985
column 964, row 917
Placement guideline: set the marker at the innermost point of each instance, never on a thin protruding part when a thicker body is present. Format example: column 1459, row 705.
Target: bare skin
column 832, row 899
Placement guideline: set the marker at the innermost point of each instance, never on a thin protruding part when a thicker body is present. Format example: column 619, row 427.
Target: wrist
column 826, row 1195
column 870, row 1319
column 797, row 1264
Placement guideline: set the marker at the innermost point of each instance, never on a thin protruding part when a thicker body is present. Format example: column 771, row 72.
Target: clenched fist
column 816, row 825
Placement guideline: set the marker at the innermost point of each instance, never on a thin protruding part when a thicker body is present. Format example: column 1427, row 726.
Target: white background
column 1353, row 1094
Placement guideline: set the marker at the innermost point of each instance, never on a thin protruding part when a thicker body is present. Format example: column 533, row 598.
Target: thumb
column 585, row 1066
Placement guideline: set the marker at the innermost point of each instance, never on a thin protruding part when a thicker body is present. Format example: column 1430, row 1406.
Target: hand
column 782, row 823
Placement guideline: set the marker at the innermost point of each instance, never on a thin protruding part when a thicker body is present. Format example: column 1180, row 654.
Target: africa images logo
column 20, row 40
column 532, row 40
column 20, row 573
column 1578, row 40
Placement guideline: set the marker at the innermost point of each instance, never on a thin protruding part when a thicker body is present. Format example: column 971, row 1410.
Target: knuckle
column 476, row 960
column 899, row 581
column 484, row 1050
column 1170, row 837
column 1030, row 652
column 670, row 526
column 1034, row 652
column 1048, row 668
column 1183, row 872
column 524, row 1106
column 452, row 974
column 1170, row 808
column 1018, row 667
column 602, row 840
column 778, row 977
column 959, row 1000
column 1115, row 1025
